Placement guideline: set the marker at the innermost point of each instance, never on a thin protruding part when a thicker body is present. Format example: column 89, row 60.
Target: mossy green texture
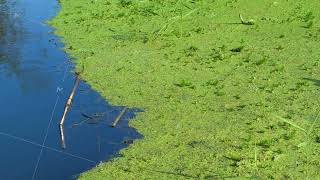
column 221, row 99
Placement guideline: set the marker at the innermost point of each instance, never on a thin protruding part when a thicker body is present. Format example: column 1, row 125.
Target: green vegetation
column 223, row 96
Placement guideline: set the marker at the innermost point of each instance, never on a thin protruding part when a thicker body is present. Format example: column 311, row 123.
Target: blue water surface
column 36, row 79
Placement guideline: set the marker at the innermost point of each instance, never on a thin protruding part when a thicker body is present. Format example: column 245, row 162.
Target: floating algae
column 194, row 79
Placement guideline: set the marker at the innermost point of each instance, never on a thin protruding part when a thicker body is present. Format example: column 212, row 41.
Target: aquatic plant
column 195, row 89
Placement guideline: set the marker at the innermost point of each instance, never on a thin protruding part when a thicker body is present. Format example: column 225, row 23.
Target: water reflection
column 9, row 22
column 15, row 62
column 8, row 33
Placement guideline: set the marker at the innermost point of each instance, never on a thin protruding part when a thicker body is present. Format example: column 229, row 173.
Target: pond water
column 36, row 79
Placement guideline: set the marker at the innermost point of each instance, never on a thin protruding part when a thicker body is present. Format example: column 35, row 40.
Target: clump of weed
column 307, row 132
column 265, row 143
column 212, row 83
column 277, row 68
column 191, row 51
column 308, row 19
column 125, row 3
column 308, row 25
column 260, row 61
column 234, row 156
column 216, row 54
column 145, row 10
column 185, row 83
column 219, row 93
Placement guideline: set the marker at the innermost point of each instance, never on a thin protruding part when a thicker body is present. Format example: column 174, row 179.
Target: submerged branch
column 119, row 117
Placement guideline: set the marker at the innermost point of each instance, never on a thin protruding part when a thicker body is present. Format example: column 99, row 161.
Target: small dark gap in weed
column 238, row 49
column 125, row 3
column 279, row 47
column 315, row 81
column 237, row 97
column 287, row 136
column 201, row 143
column 260, row 131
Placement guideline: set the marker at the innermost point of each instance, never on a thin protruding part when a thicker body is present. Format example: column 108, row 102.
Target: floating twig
column 63, row 144
column 241, row 18
column 90, row 119
column 250, row 22
column 119, row 117
column 78, row 124
column 86, row 115
column 69, row 101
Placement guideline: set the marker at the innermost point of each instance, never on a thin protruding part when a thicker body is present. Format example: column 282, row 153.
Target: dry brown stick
column 69, row 101
column 63, row 144
column 119, row 117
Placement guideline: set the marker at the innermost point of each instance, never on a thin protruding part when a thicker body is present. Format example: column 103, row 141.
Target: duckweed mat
column 223, row 96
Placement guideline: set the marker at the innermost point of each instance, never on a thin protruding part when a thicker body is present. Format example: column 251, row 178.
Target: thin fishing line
column 45, row 138
column 20, row 139
column 48, row 127
column 47, row 147
column 65, row 73
column 69, row 154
